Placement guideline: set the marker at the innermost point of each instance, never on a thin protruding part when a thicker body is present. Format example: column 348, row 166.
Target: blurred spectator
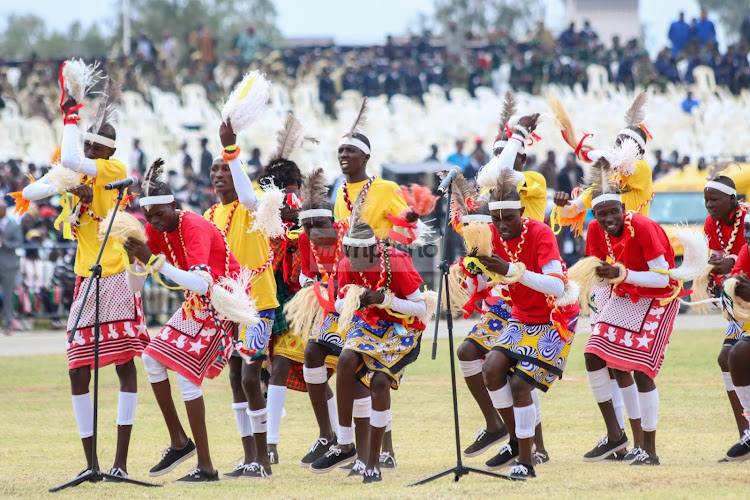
column 679, row 34
column 568, row 38
column 144, row 48
column 548, row 168
column 247, row 45
column 11, row 238
column 255, row 159
column 744, row 29
column 702, row 164
column 186, row 161
column 203, row 40
column 137, row 159
column 587, row 35
column 570, row 176
column 170, row 53
column 477, row 160
column 206, row 161
column 433, row 153
column 459, row 158
column 689, row 103
column 704, row 29
column 674, row 158
column 661, row 169
column 327, row 92
column 666, row 67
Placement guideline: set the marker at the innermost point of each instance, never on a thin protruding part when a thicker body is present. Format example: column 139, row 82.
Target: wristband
column 230, row 148
column 227, row 156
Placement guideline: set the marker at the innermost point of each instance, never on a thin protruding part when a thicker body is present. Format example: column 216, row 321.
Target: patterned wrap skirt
column 252, row 341
column 123, row 334
column 327, row 334
column 386, row 348
column 735, row 329
column 484, row 334
column 540, row 351
column 633, row 336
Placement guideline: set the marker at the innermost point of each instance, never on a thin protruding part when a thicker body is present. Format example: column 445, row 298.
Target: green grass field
column 39, row 445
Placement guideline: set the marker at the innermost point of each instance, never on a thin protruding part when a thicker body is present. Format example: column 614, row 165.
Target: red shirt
column 405, row 280
column 539, row 249
column 650, row 242
column 709, row 227
column 204, row 245
column 742, row 266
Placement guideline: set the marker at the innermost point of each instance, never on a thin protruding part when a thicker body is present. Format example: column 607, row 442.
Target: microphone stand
column 460, row 469
column 94, row 475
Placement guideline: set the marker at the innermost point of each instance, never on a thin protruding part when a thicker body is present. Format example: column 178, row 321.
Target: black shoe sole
column 490, row 445
column 175, row 464
column 607, row 453
column 197, row 482
column 736, row 460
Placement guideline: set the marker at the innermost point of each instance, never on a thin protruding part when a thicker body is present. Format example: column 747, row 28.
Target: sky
column 368, row 22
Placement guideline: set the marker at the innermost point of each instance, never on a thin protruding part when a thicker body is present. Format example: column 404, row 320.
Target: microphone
column 448, row 179
column 129, row 181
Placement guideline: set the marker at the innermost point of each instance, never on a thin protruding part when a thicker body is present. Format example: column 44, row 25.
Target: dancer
column 380, row 341
column 123, row 331
column 533, row 345
column 194, row 343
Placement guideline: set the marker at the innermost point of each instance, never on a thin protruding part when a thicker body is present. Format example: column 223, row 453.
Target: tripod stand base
column 94, row 476
column 462, row 470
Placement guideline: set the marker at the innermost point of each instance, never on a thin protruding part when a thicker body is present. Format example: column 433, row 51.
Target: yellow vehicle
column 678, row 198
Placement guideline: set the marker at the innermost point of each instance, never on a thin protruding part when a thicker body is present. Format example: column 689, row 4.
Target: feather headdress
column 419, row 198
column 504, row 185
column 286, row 139
column 152, row 177
column 109, row 107
column 564, row 123
column 623, row 158
column 314, row 192
column 600, row 178
column 715, row 169
column 359, row 121
column 358, row 207
column 636, row 114
column 79, row 78
column 510, row 107
column 247, row 101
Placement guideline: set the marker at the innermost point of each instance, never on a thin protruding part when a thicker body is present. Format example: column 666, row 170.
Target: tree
column 481, row 17
column 23, row 33
column 731, row 13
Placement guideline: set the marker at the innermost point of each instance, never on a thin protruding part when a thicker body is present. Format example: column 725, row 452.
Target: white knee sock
column 362, row 407
column 728, row 384
column 333, row 414
column 537, row 406
column 276, row 400
column 380, row 418
column 126, row 408
column 502, row 398
column 617, row 403
column 630, row 398
column 525, row 417
column 470, row 368
column 600, row 385
column 243, row 419
column 346, row 435
column 259, row 419
column 83, row 409
column 743, row 393
column 189, row 390
column 649, row 409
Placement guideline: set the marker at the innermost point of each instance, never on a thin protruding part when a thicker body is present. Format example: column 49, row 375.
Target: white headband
column 315, row 212
column 501, row 143
column 605, row 197
column 721, row 187
column 505, row 205
column 148, row 201
column 99, row 139
column 476, row 218
column 633, row 135
column 353, row 141
column 359, row 242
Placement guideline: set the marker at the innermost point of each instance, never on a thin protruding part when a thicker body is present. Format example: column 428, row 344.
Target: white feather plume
column 62, row 178
column 247, row 101
column 79, row 78
column 267, row 216
column 570, row 294
column 488, row 174
column 696, row 254
column 623, row 158
column 230, row 297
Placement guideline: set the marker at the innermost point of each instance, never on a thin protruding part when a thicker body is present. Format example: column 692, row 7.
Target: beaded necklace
column 517, row 254
column 345, row 191
column 628, row 226
column 384, row 281
column 737, row 214
column 225, row 231
column 339, row 238
column 212, row 210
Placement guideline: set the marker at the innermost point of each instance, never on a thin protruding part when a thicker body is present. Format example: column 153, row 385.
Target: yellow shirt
column 88, row 241
column 639, row 185
column 533, row 190
column 250, row 250
column 382, row 198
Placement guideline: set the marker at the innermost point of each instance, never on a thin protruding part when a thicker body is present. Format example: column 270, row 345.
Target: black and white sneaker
column 521, row 471
column 617, row 456
column 540, row 458
column 372, row 476
column 319, row 448
column 741, row 451
column 273, row 458
column 357, row 469
column 256, row 471
column 484, row 440
column 605, row 448
column 117, row 472
column 507, row 454
column 387, row 461
column 171, row 458
column 197, row 475
column 334, row 457
column 644, row 458
column 631, row 455
column 236, row 473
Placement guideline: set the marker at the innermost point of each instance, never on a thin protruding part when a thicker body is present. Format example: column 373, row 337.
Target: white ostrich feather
column 623, row 158
column 79, row 78
column 695, row 258
column 230, row 297
column 267, row 216
column 62, row 178
column 488, row 174
column 247, row 101
column 570, row 294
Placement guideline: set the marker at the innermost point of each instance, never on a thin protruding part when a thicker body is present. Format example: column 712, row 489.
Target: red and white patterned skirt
column 633, row 336
column 123, row 333
column 192, row 346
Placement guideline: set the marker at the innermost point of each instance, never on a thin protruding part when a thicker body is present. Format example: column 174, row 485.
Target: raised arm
column 242, row 183
column 70, row 157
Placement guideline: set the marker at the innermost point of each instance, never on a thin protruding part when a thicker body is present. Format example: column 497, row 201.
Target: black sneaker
column 387, row 461
column 334, row 457
column 644, row 458
column 319, row 448
column 236, row 473
column 741, row 451
column 540, row 458
column 507, row 453
column 630, row 456
column 521, row 471
column 273, row 458
column 357, row 469
column 605, row 448
column 484, row 440
column 171, row 458
column 617, row 456
column 116, row 472
column 197, row 475
column 372, row 476
column 256, row 471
